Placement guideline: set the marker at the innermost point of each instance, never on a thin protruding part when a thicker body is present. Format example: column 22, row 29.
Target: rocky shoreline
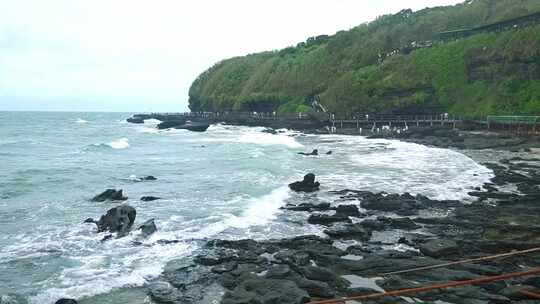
column 350, row 260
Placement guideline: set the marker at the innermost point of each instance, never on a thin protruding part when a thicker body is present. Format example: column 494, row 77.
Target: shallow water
column 228, row 182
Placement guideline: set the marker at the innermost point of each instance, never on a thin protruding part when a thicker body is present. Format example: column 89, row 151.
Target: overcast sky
column 135, row 55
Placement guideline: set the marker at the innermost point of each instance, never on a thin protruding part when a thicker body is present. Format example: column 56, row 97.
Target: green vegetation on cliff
column 489, row 73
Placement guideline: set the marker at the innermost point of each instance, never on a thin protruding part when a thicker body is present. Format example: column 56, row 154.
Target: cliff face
column 396, row 62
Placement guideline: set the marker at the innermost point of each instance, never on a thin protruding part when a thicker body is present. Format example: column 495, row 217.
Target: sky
column 140, row 56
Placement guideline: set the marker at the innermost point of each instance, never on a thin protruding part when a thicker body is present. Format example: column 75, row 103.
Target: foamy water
column 228, row 182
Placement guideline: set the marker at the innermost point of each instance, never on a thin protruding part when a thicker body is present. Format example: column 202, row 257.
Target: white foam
column 81, row 121
column 103, row 267
column 250, row 135
column 122, row 143
column 259, row 211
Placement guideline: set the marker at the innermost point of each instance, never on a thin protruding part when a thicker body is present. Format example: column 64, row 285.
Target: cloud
column 135, row 55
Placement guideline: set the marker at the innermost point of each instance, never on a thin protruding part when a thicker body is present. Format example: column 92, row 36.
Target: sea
column 228, row 182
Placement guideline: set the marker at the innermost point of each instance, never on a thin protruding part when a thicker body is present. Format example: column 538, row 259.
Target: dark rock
column 171, row 124
column 308, row 207
column 312, row 153
column 106, row 238
column 316, row 288
column 66, row 301
column 225, row 267
column 149, row 178
column 216, row 256
column 374, row 225
column 307, row 185
column 403, row 223
column 279, row 271
column 266, row 291
column 349, row 231
column 319, row 274
column 292, row 257
column 90, row 220
column 348, row 210
column 324, row 219
column 149, row 198
column 514, row 292
column 163, row 292
column 118, row 219
column 135, row 120
column 193, row 126
column 148, row 227
column 110, row 195
column 439, row 248
column 329, row 152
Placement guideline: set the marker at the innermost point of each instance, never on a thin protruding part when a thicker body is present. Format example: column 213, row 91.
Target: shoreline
column 313, row 267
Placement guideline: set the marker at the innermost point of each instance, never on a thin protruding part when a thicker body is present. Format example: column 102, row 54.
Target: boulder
column 118, row 219
column 327, row 220
column 149, row 178
column 307, row 185
column 170, row 124
column 135, row 120
column 148, row 227
column 349, row 231
column 149, row 198
column 312, row 153
column 110, row 195
column 66, row 301
column 163, row 292
column 262, row 290
column 318, row 274
column 193, row 126
column 348, row 210
column 439, row 248
column 308, row 207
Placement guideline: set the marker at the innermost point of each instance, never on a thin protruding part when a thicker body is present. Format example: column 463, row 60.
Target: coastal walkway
column 359, row 122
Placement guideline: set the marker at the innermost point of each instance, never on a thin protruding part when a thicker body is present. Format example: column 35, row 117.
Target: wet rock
column 316, row 288
column 292, row 257
column 163, row 292
column 325, row 219
column 171, row 124
column 514, row 292
column 307, row 185
column 439, row 248
column 279, row 271
column 149, row 178
column 261, row 290
column 403, row 223
column 110, row 195
column 118, row 219
column 319, row 274
column 329, row 152
column 149, row 198
column 148, row 227
column 90, row 221
column 312, row 153
column 216, row 256
column 348, row 210
column 349, row 231
column 66, row 301
column 374, row 225
column 308, row 207
column 225, row 267
column 135, row 120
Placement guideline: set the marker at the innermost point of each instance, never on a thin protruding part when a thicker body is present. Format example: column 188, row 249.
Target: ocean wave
column 258, row 212
column 98, row 267
column 251, row 135
column 81, row 121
